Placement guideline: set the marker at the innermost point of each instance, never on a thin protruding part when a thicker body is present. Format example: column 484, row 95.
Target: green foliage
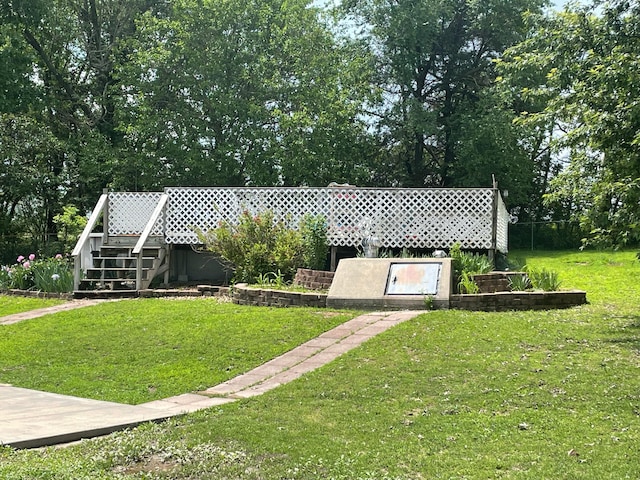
column 313, row 229
column 543, row 279
column 435, row 60
column 256, row 246
column 471, row 263
column 584, row 66
column 271, row 280
column 70, row 226
column 429, row 302
column 273, row 99
column 465, row 265
column 467, row 284
column 52, row 275
column 519, row 283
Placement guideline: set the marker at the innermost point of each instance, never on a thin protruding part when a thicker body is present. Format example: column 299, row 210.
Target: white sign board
column 413, row 279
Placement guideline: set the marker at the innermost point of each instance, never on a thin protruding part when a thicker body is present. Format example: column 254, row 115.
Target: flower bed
column 52, row 275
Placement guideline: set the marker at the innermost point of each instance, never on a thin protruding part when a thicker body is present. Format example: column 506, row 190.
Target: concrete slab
column 372, row 283
column 32, row 419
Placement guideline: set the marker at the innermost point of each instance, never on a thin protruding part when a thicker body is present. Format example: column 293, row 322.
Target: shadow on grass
column 628, row 333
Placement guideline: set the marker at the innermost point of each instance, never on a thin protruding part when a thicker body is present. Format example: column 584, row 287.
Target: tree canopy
column 581, row 68
column 142, row 94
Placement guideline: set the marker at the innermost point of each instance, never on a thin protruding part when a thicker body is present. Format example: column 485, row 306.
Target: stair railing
column 139, row 248
column 98, row 211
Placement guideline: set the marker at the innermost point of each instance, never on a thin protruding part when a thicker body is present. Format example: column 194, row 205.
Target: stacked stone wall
column 244, row 295
column 313, row 279
column 504, row 301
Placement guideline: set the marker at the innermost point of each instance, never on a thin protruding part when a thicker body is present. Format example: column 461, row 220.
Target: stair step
column 124, row 258
column 105, row 294
column 116, row 269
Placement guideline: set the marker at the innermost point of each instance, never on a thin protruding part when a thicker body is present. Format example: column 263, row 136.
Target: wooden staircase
column 114, row 271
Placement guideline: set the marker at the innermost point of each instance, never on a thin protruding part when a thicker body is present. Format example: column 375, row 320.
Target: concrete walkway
column 40, row 312
column 31, row 418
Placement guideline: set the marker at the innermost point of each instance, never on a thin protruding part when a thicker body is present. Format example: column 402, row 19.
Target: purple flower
column 32, row 257
column 20, row 259
column 26, row 265
column 58, row 256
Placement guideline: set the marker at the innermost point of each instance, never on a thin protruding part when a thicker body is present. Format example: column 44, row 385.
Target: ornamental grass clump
column 465, row 265
column 51, row 275
column 543, row 279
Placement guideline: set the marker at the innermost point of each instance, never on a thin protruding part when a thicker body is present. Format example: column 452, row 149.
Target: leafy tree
column 31, row 179
column 239, row 93
column 588, row 84
column 75, row 48
column 435, row 60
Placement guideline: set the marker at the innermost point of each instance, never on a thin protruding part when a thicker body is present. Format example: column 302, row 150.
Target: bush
column 258, row 245
column 70, row 226
column 314, row 241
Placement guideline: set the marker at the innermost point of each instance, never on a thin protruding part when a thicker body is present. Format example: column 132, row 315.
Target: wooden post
column 105, row 219
column 334, row 256
column 494, row 222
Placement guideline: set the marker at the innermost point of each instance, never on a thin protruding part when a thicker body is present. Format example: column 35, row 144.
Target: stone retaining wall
column 244, row 295
column 495, row 281
column 504, row 301
column 313, row 279
column 37, row 294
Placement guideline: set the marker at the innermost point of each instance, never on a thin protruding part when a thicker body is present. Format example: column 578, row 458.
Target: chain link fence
column 545, row 235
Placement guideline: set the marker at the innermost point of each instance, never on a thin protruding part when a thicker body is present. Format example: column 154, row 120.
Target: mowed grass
column 450, row 394
column 13, row 304
column 134, row 351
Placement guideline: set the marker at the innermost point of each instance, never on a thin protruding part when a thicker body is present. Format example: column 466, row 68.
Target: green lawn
column 10, row 304
column 450, row 394
column 135, row 351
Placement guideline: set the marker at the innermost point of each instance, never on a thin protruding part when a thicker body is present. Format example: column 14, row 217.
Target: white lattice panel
column 502, row 224
column 129, row 212
column 412, row 218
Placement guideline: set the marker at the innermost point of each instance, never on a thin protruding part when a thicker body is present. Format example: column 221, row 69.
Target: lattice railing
column 129, row 213
column 502, row 227
column 411, row 218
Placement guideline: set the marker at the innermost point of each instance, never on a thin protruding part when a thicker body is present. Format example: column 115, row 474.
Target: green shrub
column 256, row 246
column 314, row 241
column 70, row 226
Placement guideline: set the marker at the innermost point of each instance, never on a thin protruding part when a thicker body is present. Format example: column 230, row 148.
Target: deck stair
column 121, row 264
column 114, row 269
